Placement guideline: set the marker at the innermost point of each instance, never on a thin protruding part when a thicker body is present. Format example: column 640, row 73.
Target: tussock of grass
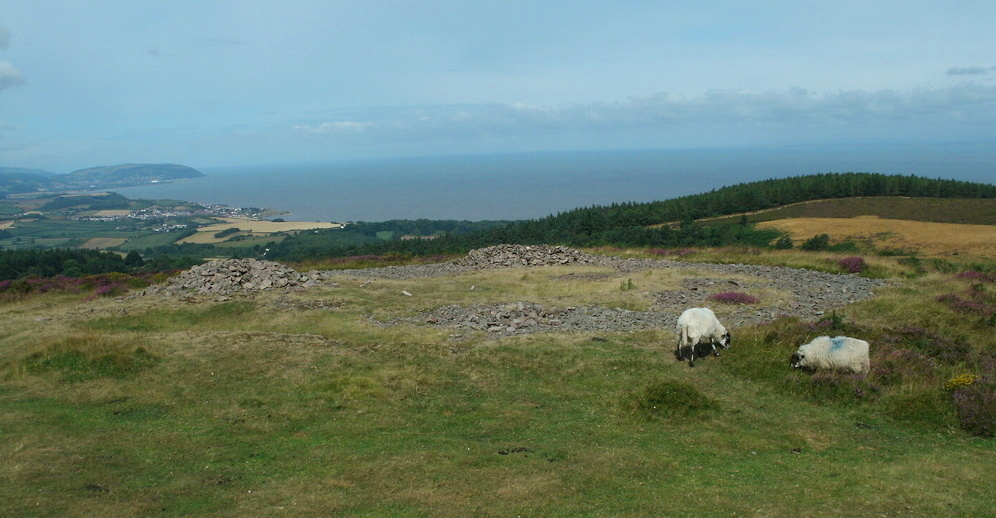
column 669, row 399
column 82, row 357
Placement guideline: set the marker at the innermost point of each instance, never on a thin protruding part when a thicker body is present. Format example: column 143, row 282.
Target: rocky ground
column 812, row 294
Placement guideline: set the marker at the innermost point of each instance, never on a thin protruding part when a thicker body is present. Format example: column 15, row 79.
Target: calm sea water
column 525, row 186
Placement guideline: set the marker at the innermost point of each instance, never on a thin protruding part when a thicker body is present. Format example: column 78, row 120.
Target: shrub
column 783, row 243
column 733, row 297
column 975, row 405
column 961, row 381
column 837, row 387
column 893, row 366
column 973, row 275
column 817, row 243
column 928, row 342
column 852, row 264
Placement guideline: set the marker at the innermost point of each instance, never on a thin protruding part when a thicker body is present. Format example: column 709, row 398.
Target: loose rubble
column 232, row 276
column 810, row 294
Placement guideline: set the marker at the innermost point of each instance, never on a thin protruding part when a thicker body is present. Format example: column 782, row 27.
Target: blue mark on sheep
column 836, row 344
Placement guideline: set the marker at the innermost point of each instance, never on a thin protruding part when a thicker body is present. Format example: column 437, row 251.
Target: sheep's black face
column 796, row 360
column 727, row 341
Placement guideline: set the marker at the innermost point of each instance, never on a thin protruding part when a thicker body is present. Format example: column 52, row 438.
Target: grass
column 273, row 405
column 931, row 239
column 977, row 211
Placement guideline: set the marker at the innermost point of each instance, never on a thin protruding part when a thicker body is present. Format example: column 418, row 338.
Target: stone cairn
column 232, row 276
column 505, row 256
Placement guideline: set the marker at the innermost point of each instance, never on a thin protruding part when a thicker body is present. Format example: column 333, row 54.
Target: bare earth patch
column 932, row 239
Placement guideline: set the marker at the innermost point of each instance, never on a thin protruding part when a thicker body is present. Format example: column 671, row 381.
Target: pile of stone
column 506, row 256
column 526, row 317
column 232, row 276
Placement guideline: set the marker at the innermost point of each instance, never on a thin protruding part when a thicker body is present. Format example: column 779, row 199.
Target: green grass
column 262, row 406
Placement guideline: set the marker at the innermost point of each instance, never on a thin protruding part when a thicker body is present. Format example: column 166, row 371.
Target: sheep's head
column 726, row 341
column 798, row 357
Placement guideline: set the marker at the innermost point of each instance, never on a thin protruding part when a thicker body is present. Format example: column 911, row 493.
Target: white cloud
column 336, row 127
column 9, row 75
column 719, row 115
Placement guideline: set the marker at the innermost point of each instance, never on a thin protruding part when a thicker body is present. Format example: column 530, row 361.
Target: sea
column 535, row 185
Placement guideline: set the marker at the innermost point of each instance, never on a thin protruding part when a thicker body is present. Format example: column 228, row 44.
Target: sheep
column 700, row 326
column 841, row 353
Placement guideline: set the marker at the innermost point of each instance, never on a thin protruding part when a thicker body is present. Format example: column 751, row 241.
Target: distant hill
column 17, row 181
column 14, row 180
column 131, row 174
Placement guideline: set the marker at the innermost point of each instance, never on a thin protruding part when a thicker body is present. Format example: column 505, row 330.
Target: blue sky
column 216, row 83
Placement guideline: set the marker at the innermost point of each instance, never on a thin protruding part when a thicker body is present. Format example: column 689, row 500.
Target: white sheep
column 841, row 354
column 700, row 326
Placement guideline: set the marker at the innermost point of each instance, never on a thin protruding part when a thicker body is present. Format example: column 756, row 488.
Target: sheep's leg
column 715, row 351
column 691, row 359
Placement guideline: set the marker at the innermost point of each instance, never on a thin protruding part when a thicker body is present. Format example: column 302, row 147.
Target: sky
column 222, row 83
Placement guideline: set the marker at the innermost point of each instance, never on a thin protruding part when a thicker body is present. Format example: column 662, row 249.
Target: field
column 926, row 238
column 103, row 243
column 305, row 403
column 937, row 210
column 252, row 227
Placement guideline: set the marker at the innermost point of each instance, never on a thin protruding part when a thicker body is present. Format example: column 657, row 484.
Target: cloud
column 720, row 116
column 336, row 127
column 9, row 75
column 970, row 71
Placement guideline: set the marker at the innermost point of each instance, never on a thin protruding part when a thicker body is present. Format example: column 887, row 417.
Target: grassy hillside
column 304, row 403
column 980, row 211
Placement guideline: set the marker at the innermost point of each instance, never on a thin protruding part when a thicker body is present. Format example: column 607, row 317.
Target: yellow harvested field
column 111, row 213
column 252, row 227
column 6, row 224
column 101, row 243
column 932, row 239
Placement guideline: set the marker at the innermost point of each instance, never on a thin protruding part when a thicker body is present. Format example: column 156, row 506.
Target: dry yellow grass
column 253, row 227
column 6, row 224
column 932, row 239
column 100, row 243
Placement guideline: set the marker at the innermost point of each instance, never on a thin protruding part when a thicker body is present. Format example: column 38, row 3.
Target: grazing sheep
column 700, row 326
column 841, row 354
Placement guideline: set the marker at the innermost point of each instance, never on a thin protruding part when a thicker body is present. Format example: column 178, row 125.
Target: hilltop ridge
column 23, row 181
